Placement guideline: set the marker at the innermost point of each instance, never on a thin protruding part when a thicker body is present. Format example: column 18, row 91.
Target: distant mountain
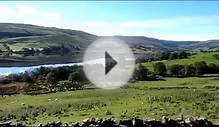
column 58, row 44
column 204, row 45
column 19, row 36
column 137, row 41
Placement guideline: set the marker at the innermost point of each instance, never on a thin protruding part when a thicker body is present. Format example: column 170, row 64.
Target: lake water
column 10, row 70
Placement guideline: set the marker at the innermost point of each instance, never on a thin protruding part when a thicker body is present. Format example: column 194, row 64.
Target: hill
column 143, row 41
column 19, row 36
column 24, row 44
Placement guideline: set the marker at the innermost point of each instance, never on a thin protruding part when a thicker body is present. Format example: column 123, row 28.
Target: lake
column 10, row 70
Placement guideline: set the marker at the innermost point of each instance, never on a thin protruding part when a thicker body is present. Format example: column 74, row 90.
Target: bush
column 216, row 56
column 160, row 68
column 141, row 73
column 50, row 78
column 200, row 68
column 189, row 70
column 213, row 68
column 177, row 70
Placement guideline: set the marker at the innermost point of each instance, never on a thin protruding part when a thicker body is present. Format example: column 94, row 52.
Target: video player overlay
column 118, row 65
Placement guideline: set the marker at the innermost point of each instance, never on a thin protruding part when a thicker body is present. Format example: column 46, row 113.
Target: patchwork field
column 173, row 98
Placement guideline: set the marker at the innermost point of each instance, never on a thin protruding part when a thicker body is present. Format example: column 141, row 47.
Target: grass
column 146, row 99
column 190, row 82
column 207, row 57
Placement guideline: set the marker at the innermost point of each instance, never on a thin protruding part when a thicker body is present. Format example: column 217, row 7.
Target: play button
column 108, row 63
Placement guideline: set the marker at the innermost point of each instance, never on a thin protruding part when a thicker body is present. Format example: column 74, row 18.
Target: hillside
column 19, row 36
column 24, row 44
column 136, row 41
column 156, row 43
column 207, row 57
column 34, row 45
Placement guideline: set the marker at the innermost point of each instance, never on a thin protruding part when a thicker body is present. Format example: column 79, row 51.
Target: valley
column 175, row 79
column 29, row 45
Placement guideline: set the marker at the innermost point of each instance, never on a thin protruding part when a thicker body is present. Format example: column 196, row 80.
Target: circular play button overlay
column 108, row 63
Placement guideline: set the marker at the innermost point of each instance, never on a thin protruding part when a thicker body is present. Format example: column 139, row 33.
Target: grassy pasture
column 146, row 99
column 207, row 57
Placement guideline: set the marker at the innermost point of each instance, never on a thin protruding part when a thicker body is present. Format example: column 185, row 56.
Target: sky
column 171, row 20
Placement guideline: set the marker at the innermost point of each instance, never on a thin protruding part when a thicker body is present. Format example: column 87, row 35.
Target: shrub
column 177, row 70
column 141, row 73
column 200, row 67
column 160, row 68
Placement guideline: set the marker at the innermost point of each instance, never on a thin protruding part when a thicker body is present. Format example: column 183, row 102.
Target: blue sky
column 173, row 20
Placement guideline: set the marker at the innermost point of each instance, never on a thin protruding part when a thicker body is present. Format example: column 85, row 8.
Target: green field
column 207, row 57
column 147, row 99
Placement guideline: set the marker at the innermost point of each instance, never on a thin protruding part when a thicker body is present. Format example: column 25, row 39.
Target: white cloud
column 29, row 15
column 176, row 28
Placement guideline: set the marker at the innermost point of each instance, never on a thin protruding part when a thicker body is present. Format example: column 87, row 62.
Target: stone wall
column 124, row 123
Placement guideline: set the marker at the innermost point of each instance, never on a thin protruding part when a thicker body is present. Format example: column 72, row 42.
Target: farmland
column 172, row 97
column 207, row 57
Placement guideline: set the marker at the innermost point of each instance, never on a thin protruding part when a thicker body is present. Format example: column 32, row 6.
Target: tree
column 200, row 67
column 160, row 68
column 40, row 71
column 62, row 73
column 216, row 56
column 77, row 75
column 72, row 76
column 173, row 56
column 177, row 70
column 27, row 78
column 183, row 55
column 141, row 73
column 164, row 55
column 50, row 78
column 189, row 70
column 212, row 68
